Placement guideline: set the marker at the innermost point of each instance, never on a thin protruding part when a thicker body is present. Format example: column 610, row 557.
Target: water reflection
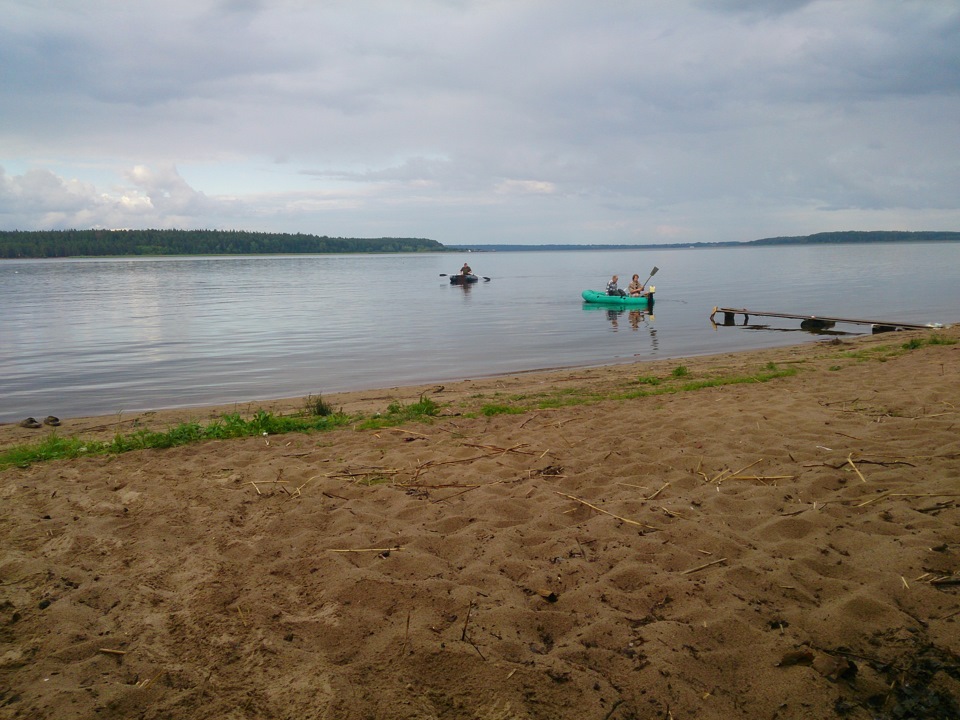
column 636, row 320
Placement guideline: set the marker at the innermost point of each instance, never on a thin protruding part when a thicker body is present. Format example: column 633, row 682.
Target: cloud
column 610, row 119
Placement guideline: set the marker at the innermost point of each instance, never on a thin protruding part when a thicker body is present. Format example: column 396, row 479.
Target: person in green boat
column 612, row 288
column 635, row 288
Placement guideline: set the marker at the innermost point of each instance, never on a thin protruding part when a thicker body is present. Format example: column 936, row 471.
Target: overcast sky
column 482, row 121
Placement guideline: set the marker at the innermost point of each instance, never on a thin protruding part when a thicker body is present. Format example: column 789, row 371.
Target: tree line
column 100, row 243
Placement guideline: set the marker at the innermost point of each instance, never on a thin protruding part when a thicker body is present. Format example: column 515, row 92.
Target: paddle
column 652, row 273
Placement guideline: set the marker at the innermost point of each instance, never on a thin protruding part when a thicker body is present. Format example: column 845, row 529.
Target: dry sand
column 786, row 549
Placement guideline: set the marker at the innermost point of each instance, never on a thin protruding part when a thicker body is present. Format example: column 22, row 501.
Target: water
column 99, row 336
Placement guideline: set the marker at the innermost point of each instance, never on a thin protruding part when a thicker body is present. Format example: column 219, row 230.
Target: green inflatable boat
column 597, row 297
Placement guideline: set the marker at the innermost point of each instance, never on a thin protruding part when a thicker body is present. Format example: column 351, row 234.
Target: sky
column 482, row 121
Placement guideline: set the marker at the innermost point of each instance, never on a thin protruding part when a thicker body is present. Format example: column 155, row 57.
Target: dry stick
column 855, row 468
column 463, row 634
column 110, row 651
column 406, row 634
column 441, row 486
column 500, row 450
column 717, row 480
column 605, row 512
column 255, row 483
column 881, row 496
column 364, row 473
column 362, row 550
column 149, row 682
column 948, row 580
column 703, row 567
column 448, row 497
column 657, row 492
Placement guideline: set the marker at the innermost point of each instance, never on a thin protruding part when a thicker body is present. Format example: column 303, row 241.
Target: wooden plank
column 825, row 318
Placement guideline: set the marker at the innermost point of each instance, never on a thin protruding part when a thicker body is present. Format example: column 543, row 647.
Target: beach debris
column 703, row 567
column 30, row 422
column 605, row 512
column 796, row 657
column 547, row 594
column 379, row 550
column 51, row 420
column 111, row 651
column 834, row 668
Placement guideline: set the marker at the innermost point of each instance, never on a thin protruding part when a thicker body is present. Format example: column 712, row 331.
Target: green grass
column 500, row 409
column 55, row 447
column 936, row 339
column 316, row 415
column 398, row 414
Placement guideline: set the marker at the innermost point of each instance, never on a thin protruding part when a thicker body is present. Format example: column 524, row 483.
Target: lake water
column 100, row 336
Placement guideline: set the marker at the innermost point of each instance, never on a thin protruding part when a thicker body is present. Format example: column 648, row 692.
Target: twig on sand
column 613, row 709
column 502, row 451
column 364, row 550
column 946, row 580
column 703, row 567
column 882, row 496
column 605, row 512
column 406, row 635
column 651, row 497
column 144, row 684
column 256, row 483
column 111, row 651
column 855, row 468
column 463, row 633
column 727, row 474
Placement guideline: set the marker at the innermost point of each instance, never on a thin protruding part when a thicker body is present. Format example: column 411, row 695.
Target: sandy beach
column 678, row 539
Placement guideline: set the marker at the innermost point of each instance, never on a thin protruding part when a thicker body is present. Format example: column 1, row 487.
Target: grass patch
column 316, row 406
column 55, row 447
column 316, row 415
column 937, row 339
column 499, row 409
column 398, row 414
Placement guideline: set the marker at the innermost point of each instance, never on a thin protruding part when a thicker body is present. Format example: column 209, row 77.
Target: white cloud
column 531, row 122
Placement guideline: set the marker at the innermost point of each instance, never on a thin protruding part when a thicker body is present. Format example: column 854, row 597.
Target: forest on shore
column 824, row 238
column 103, row 243
column 116, row 243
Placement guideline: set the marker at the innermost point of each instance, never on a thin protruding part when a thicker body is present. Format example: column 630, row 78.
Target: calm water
column 81, row 337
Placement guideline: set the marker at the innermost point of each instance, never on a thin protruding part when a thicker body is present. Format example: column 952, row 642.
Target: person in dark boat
column 465, row 270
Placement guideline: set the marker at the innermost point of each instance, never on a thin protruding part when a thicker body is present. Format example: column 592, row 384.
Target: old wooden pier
column 814, row 322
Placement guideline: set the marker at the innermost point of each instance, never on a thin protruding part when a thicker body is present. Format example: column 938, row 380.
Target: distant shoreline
column 41, row 244
column 825, row 238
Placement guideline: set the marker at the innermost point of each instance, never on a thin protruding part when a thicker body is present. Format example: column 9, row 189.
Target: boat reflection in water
column 635, row 320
